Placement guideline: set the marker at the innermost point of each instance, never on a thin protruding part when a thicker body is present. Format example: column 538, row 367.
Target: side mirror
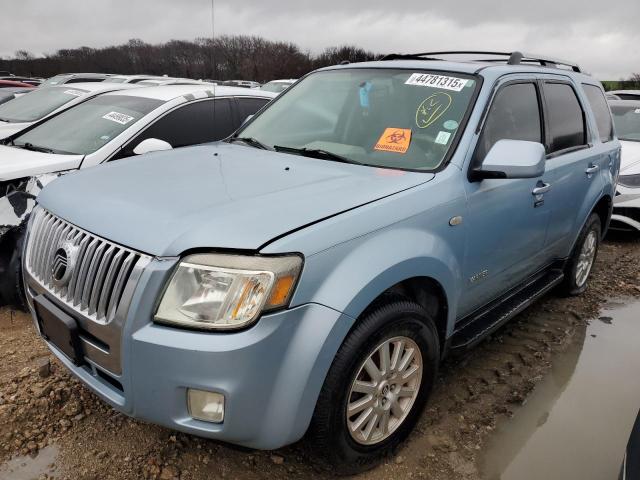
column 151, row 145
column 249, row 117
column 512, row 159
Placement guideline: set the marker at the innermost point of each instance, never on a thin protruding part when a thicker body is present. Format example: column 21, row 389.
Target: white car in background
column 626, row 204
column 65, row 78
column 105, row 128
column 19, row 113
column 278, row 86
column 626, row 94
column 133, row 78
column 155, row 82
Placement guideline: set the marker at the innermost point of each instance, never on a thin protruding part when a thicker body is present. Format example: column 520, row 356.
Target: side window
column 514, row 115
column 600, row 110
column 249, row 106
column 565, row 117
column 188, row 125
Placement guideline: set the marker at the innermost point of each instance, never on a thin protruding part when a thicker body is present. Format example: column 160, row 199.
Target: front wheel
column 583, row 257
column 376, row 388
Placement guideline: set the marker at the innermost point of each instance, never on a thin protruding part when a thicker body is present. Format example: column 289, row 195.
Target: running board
column 483, row 323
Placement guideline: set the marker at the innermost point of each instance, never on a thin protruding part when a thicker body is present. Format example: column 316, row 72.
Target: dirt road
column 43, row 407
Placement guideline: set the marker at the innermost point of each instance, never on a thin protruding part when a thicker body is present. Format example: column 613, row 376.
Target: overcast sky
column 603, row 37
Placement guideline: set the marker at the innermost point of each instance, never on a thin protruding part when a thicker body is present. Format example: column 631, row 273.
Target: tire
column 333, row 445
column 576, row 278
column 11, row 287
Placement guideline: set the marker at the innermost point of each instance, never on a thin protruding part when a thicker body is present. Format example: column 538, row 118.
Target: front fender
column 349, row 276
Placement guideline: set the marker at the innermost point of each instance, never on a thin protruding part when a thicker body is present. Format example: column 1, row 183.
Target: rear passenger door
column 573, row 164
column 189, row 124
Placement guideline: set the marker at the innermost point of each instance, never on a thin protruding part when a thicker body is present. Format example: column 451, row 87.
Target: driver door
column 507, row 222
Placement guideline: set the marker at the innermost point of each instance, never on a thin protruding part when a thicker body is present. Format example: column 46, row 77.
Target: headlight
column 221, row 292
column 629, row 180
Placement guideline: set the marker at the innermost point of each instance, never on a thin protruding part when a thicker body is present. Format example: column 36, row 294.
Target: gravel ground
column 41, row 404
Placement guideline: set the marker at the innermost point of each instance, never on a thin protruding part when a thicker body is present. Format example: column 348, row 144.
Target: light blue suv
column 310, row 273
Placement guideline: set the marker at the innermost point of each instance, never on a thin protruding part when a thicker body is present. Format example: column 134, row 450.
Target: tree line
column 224, row 58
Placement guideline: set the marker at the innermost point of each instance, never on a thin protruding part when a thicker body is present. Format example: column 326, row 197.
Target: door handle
column 592, row 169
column 541, row 188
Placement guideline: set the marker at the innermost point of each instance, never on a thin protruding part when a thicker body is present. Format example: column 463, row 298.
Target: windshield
column 85, row 128
column 115, row 79
column 379, row 117
column 275, row 87
column 627, row 122
column 38, row 104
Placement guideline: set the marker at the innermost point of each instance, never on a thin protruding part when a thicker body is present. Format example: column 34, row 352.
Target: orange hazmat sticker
column 394, row 140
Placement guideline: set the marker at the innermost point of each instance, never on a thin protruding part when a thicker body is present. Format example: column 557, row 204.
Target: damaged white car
column 626, row 204
column 19, row 113
column 105, row 128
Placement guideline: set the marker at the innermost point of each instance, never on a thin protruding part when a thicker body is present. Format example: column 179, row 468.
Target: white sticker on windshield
column 637, row 110
column 75, row 93
column 437, row 81
column 120, row 118
column 443, row 138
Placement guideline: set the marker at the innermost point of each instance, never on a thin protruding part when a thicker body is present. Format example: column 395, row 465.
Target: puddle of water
column 577, row 422
column 30, row 468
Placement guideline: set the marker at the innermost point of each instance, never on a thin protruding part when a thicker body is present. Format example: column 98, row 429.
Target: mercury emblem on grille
column 64, row 261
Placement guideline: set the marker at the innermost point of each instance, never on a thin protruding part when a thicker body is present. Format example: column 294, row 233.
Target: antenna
column 214, row 68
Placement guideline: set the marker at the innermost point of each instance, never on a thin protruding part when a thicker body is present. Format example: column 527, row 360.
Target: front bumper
column 271, row 374
column 626, row 210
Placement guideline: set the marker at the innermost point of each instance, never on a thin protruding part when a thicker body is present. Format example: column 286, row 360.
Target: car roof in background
column 169, row 92
column 630, row 92
column 15, row 83
column 92, row 87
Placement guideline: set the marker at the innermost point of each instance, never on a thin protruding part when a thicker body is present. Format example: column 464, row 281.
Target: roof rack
column 513, row 58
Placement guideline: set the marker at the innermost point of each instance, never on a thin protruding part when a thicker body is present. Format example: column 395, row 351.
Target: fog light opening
column 205, row 406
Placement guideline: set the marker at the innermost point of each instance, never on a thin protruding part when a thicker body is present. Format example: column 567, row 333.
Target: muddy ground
column 41, row 405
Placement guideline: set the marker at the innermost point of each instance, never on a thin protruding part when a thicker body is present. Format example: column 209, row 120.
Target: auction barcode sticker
column 120, row 118
column 437, row 81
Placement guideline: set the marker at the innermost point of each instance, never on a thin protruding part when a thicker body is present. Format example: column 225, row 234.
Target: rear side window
column 565, row 117
column 514, row 115
column 601, row 111
column 249, row 106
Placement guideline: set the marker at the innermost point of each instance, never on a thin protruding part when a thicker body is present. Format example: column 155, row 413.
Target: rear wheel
column 376, row 388
column 584, row 255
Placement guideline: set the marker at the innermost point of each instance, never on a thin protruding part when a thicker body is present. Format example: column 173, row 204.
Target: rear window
column 565, row 117
column 601, row 111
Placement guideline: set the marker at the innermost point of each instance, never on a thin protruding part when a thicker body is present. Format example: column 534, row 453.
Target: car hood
column 214, row 196
column 630, row 163
column 18, row 162
column 7, row 129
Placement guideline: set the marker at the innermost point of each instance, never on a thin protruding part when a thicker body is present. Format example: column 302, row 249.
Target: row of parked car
column 12, row 86
column 309, row 272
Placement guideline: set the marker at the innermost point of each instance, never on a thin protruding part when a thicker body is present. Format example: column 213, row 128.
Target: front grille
column 99, row 276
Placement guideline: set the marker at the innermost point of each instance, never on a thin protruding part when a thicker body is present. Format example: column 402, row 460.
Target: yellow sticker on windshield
column 432, row 108
column 394, row 140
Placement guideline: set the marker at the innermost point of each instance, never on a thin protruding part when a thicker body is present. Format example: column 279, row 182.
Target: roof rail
column 512, row 58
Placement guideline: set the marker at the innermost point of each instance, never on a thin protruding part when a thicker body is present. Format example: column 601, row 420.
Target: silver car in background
column 20, row 113
column 626, row 204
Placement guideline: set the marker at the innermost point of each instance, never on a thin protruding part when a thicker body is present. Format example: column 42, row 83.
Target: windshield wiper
column 315, row 153
column 249, row 141
column 34, row 148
